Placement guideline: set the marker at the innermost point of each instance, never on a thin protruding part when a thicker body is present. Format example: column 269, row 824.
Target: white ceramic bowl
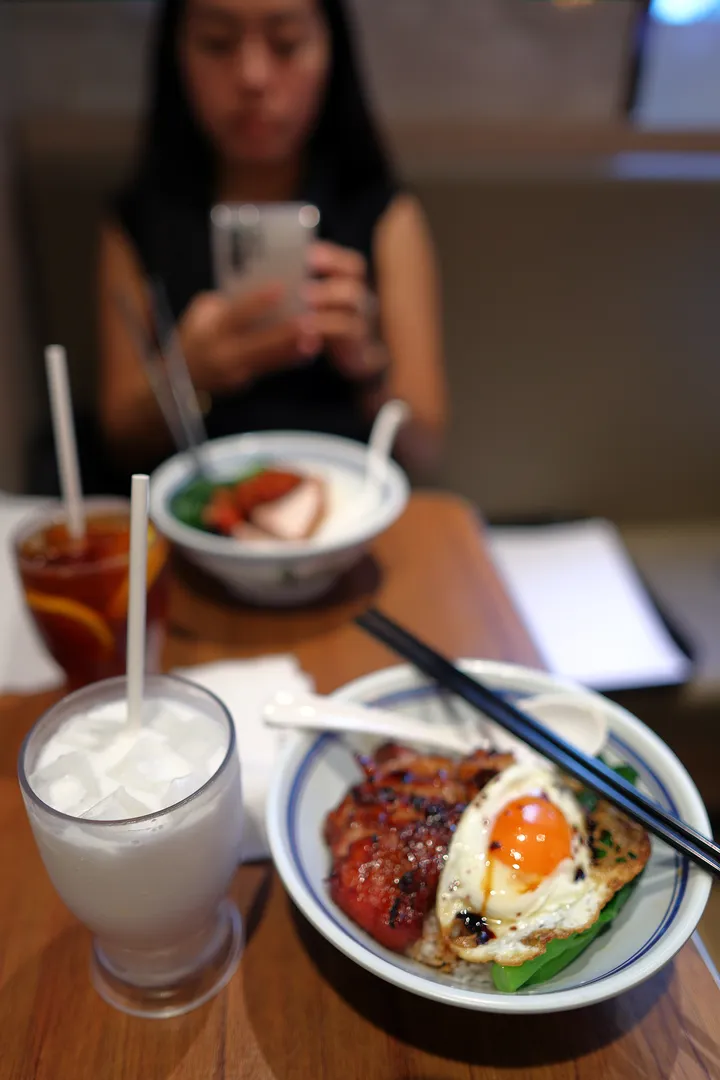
column 315, row 772
column 275, row 572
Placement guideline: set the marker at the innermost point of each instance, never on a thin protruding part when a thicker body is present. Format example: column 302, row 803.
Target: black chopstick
column 591, row 772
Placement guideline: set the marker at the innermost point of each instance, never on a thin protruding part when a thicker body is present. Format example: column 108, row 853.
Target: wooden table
column 297, row 1009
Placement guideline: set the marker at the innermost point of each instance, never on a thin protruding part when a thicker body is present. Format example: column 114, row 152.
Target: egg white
column 472, row 881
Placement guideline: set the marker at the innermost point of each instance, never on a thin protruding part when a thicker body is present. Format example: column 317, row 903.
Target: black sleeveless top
column 172, row 237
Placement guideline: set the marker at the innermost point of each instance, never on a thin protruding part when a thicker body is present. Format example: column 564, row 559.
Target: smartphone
column 256, row 245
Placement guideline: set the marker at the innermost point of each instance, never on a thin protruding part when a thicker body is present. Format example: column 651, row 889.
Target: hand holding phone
column 342, row 310
column 228, row 341
column 255, row 247
column 325, row 294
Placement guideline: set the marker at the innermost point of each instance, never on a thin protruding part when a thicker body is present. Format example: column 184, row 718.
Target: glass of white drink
column 139, row 828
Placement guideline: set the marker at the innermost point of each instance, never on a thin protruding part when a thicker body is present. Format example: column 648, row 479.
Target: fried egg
column 518, row 870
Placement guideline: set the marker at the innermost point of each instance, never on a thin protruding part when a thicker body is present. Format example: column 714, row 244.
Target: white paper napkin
column 245, row 686
column 25, row 664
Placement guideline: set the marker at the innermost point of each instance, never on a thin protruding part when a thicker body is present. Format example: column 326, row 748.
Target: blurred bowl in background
column 280, row 573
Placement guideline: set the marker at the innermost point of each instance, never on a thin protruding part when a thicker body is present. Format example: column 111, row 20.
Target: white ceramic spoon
column 578, row 722
column 311, row 712
column 388, row 422
column 573, row 718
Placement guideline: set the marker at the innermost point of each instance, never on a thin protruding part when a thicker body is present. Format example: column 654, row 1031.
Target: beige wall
column 583, row 329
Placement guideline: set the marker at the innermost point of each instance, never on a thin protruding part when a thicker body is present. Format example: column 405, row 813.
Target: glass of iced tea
column 77, row 590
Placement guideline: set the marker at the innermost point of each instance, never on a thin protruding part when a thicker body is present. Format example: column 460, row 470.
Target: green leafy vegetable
column 187, row 505
column 626, row 771
column 588, row 800
column 560, row 952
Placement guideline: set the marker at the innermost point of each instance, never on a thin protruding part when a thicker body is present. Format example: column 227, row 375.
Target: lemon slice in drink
column 56, row 613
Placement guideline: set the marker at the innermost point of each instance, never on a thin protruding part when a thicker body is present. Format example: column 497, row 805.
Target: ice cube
column 66, row 781
column 92, row 732
column 184, row 787
column 151, row 763
column 113, row 712
column 154, row 713
column 183, row 724
column 62, row 794
column 51, row 751
column 108, row 754
column 216, row 760
column 118, row 806
column 197, row 751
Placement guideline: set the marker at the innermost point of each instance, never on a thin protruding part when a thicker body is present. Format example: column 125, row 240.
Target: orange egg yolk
column 531, row 835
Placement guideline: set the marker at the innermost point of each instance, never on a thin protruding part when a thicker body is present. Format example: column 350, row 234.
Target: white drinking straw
column 65, row 444
column 137, row 598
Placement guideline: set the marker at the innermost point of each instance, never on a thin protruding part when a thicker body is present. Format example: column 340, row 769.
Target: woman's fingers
column 337, row 326
column 330, row 259
column 238, row 343
column 244, row 311
column 273, row 347
column 337, row 293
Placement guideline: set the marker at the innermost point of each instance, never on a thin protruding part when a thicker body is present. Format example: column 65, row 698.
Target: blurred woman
column 260, row 101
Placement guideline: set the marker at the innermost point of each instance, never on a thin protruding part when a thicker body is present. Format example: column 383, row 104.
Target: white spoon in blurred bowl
column 388, row 422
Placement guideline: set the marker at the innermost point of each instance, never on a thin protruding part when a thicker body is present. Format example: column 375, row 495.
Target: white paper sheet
column 585, row 606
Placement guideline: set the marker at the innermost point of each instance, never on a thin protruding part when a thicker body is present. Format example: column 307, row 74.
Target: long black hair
column 176, row 157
